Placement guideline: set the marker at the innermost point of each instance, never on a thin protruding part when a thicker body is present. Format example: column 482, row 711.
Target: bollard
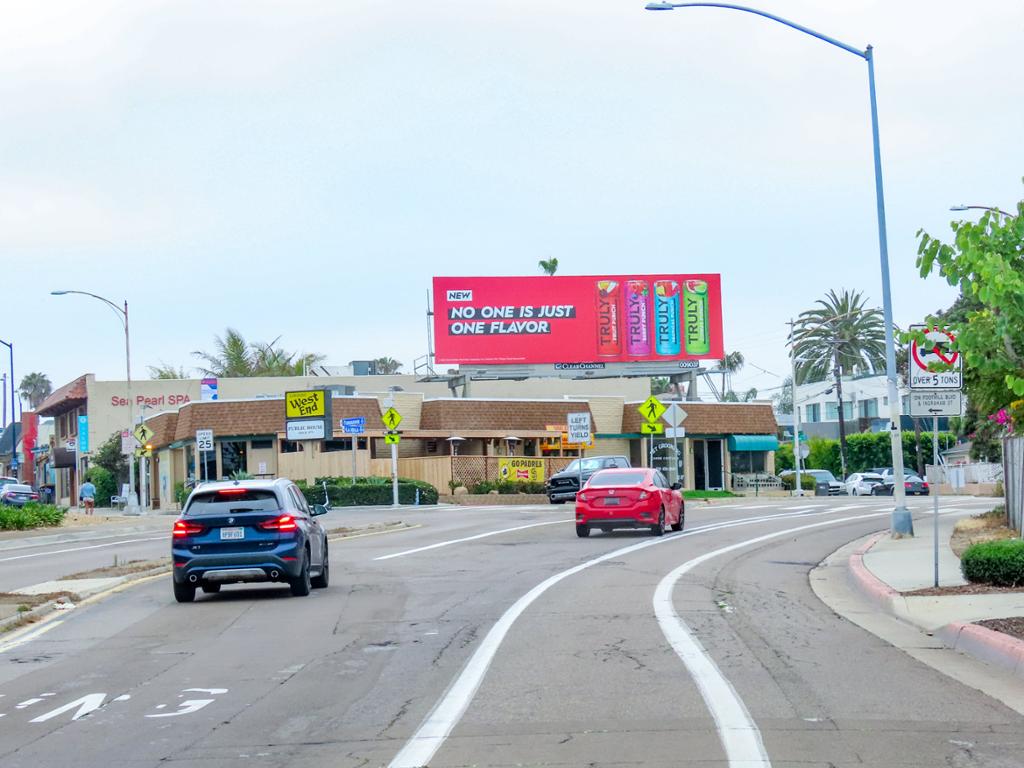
column 417, row 497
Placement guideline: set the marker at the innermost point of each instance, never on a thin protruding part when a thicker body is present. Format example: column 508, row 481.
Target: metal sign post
column 675, row 416
column 391, row 418
column 578, row 427
column 354, row 426
column 935, row 490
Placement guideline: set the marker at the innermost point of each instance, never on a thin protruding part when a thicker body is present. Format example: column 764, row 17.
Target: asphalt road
column 474, row 644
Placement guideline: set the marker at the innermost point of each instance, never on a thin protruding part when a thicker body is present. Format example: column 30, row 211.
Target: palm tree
column 839, row 336
column 548, row 266
column 730, row 364
column 165, row 371
column 35, row 387
column 385, row 366
column 235, row 357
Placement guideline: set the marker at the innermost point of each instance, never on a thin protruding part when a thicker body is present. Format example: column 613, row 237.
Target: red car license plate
column 611, row 501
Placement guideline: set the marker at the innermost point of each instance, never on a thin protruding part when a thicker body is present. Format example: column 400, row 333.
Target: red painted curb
column 986, row 644
column 870, row 585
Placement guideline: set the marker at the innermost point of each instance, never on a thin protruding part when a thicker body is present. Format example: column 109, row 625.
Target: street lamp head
column 57, row 293
column 659, row 7
column 958, row 207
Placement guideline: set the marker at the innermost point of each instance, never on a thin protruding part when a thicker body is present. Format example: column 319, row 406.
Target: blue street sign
column 354, row 426
column 83, row 434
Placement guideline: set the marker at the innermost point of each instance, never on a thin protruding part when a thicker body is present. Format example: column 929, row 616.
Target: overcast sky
column 301, row 169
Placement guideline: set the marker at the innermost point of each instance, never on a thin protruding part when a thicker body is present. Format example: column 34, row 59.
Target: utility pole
column 796, row 412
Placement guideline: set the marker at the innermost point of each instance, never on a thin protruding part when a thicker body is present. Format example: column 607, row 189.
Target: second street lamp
column 902, row 523
column 132, row 506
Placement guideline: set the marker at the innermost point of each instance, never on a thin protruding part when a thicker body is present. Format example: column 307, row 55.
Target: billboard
column 577, row 319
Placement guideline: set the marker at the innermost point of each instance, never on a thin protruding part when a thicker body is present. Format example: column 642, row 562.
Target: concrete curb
column 980, row 642
column 985, row 644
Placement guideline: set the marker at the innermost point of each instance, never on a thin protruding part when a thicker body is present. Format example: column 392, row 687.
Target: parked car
column 822, row 477
column 248, row 531
column 563, row 486
column 15, row 495
column 861, row 483
column 8, row 480
column 629, row 498
column 912, row 484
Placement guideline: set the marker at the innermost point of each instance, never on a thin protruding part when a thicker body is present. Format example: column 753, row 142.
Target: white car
column 860, row 483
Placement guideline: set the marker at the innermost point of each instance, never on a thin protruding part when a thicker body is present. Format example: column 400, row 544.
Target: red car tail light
column 183, row 528
column 282, row 523
column 232, row 491
column 582, row 496
column 643, row 495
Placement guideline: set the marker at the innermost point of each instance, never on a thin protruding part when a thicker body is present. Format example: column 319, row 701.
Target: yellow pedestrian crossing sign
column 392, row 438
column 391, row 419
column 143, row 433
column 651, row 409
column 652, row 428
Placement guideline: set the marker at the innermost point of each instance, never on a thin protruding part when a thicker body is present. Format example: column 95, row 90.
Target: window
column 232, row 500
column 232, row 457
column 832, row 411
column 748, row 462
column 261, row 445
column 291, row 446
column 813, row 413
column 340, row 444
column 431, row 446
column 868, row 408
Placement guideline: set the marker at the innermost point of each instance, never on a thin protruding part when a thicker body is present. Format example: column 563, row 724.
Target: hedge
column 368, row 492
column 1000, row 563
column 505, row 487
column 31, row 515
column 807, row 482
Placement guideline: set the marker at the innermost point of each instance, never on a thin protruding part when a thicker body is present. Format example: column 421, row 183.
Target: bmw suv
column 248, row 531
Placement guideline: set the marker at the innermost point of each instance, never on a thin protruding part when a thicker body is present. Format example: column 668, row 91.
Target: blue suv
column 248, row 531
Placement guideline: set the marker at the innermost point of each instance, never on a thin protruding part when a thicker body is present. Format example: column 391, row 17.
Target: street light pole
column 796, row 411
column 901, row 524
column 991, row 208
column 14, row 403
column 132, row 506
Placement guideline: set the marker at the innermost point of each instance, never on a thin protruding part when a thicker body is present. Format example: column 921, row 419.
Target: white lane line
column 470, row 538
column 165, row 537
column 739, row 735
column 448, row 711
column 30, row 636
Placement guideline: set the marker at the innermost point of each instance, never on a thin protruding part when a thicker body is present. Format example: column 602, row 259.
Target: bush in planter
column 1000, row 563
column 105, row 484
column 370, row 493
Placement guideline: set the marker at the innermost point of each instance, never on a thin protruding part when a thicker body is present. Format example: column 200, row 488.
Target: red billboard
column 577, row 319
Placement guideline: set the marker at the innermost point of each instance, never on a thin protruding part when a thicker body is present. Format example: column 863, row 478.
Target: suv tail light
column 183, row 528
column 282, row 523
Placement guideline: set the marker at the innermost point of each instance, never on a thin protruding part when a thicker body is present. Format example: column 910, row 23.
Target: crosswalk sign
column 651, row 409
column 391, row 418
column 652, row 428
column 392, row 438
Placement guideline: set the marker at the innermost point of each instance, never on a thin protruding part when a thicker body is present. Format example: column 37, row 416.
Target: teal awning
column 753, row 443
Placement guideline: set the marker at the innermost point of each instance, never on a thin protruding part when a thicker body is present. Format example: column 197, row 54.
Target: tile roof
column 69, row 396
column 499, row 417
column 714, row 419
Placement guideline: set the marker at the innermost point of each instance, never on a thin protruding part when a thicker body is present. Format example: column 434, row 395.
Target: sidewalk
column 883, row 569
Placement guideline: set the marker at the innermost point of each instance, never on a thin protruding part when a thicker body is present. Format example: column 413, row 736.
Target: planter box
column 495, row 499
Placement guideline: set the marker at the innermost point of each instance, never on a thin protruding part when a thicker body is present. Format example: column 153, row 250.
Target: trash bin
column 821, row 489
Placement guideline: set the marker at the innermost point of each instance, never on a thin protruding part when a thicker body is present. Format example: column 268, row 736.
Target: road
column 496, row 637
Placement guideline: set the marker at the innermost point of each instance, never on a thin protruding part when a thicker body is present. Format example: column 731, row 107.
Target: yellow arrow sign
column 391, row 418
column 652, row 428
column 651, row 409
column 392, row 438
column 143, row 453
column 143, row 433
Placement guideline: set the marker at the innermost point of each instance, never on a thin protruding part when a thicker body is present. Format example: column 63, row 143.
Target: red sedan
column 629, row 498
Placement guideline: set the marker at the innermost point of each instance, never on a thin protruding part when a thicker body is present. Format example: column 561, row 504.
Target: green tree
column 165, row 371
column 110, row 458
column 234, row 357
column 783, row 399
column 35, row 387
column 548, row 266
column 986, row 261
column 728, row 365
column 386, row 366
column 840, row 336
column 105, row 484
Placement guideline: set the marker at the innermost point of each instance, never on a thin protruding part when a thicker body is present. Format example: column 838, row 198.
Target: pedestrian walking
column 87, row 496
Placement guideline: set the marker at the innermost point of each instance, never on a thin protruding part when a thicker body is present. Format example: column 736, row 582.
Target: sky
column 302, row 169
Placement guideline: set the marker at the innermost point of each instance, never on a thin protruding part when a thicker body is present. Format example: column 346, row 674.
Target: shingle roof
column 714, row 419
column 497, row 416
column 69, row 396
column 237, row 418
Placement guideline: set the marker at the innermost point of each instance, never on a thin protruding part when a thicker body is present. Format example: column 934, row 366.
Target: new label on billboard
column 577, row 319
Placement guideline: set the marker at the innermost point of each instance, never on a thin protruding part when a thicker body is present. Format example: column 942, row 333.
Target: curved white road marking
column 471, row 538
column 737, row 731
column 438, row 724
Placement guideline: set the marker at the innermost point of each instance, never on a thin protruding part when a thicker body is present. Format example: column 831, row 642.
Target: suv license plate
column 232, row 533
column 611, row 501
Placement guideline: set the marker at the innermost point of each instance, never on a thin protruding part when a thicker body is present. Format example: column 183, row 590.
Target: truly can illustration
column 638, row 318
column 666, row 318
column 695, row 317
column 609, row 318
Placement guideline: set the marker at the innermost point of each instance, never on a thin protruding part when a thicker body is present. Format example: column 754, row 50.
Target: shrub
column 106, row 485
column 807, row 482
column 370, row 493
column 1000, row 563
column 507, row 488
column 32, row 515
column 181, row 494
